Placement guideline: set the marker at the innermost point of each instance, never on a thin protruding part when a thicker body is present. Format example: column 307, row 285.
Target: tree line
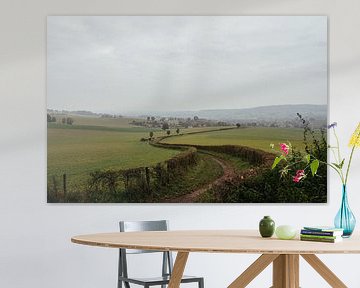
column 64, row 120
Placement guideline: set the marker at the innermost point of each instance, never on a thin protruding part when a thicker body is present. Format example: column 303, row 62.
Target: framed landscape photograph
column 186, row 109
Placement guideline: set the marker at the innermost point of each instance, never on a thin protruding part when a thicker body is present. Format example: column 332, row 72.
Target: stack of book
column 321, row 234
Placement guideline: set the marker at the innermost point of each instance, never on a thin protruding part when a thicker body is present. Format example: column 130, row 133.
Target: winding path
column 228, row 173
column 228, row 169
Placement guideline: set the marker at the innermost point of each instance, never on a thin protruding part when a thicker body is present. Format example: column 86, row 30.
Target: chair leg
column 201, row 283
column 120, row 270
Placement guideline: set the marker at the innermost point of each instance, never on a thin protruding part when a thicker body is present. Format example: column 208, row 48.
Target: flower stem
column 339, row 155
column 333, row 152
column 337, row 144
column 336, row 169
column 350, row 159
column 348, row 167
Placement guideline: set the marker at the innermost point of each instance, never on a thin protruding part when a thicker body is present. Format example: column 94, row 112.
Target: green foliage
column 314, row 166
column 294, row 158
column 69, row 121
column 315, row 143
column 268, row 187
column 339, row 166
column 51, row 118
column 277, row 161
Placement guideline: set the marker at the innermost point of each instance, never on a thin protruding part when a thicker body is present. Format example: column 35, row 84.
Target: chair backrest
column 137, row 226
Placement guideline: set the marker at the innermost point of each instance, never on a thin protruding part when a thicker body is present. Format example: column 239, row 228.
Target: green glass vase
column 266, row 227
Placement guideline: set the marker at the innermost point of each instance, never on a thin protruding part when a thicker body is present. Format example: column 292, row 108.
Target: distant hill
column 267, row 113
column 275, row 115
column 82, row 113
column 78, row 112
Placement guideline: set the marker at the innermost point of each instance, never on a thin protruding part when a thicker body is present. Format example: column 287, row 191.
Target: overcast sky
column 120, row 64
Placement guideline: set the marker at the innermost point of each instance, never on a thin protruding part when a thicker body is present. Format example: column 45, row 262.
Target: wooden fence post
column 147, row 176
column 55, row 186
column 64, row 184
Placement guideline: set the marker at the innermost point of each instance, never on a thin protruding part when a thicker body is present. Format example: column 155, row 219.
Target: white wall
column 35, row 248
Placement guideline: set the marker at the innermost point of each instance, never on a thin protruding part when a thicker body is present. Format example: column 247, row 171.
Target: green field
column 94, row 143
column 104, row 143
column 77, row 152
column 259, row 138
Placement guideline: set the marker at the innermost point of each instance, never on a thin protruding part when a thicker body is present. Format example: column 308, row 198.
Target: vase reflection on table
column 345, row 219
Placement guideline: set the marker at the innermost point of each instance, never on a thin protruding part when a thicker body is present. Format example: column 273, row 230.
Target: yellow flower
column 355, row 138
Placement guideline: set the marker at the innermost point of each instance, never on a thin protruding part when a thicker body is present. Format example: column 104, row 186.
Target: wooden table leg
column 253, row 270
column 279, row 270
column 178, row 269
column 286, row 271
column 324, row 271
column 293, row 261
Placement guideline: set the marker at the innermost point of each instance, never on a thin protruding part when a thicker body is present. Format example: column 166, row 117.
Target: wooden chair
column 167, row 263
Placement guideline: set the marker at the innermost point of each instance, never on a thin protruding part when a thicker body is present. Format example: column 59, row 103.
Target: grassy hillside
column 253, row 137
column 77, row 152
column 94, row 143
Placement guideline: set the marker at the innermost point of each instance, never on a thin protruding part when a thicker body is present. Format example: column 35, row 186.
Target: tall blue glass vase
column 345, row 219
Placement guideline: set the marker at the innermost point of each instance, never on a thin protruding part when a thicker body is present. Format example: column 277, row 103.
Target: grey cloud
column 123, row 63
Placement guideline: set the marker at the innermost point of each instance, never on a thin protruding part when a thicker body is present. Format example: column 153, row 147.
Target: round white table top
column 219, row 241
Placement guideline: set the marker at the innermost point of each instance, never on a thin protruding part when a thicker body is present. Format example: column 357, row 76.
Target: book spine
column 319, row 236
column 319, row 233
column 317, row 239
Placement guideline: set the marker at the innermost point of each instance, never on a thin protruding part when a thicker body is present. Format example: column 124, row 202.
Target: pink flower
column 300, row 174
column 284, row 148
